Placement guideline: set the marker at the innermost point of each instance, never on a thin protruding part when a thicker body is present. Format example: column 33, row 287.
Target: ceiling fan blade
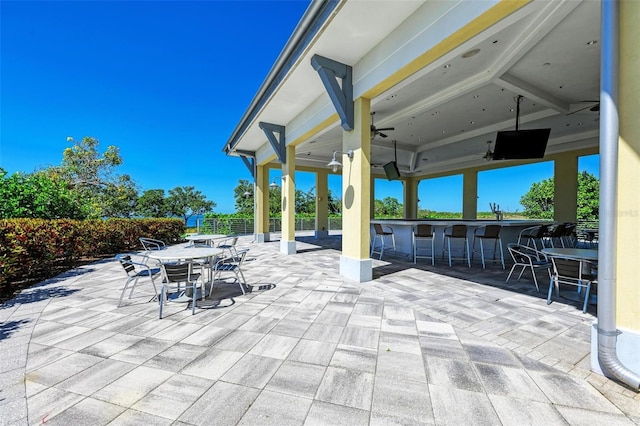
column 593, row 108
column 382, row 135
column 387, row 128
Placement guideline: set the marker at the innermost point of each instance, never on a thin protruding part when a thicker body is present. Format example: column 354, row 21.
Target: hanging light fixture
column 334, row 164
column 489, row 155
column 273, row 185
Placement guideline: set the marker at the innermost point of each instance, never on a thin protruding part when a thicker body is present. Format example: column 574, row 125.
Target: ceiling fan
column 594, row 106
column 375, row 131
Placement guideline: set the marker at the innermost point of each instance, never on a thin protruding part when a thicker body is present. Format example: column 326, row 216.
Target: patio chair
column 488, row 232
column 152, row 244
column 174, row 275
column 230, row 245
column 555, row 236
column 231, row 265
column 136, row 270
column 381, row 233
column 456, row 232
column 530, row 258
column 574, row 272
column 532, row 234
column 426, row 233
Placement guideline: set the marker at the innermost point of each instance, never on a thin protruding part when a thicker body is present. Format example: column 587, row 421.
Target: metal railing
column 244, row 226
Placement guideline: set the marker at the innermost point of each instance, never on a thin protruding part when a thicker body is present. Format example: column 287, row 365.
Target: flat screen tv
column 391, row 170
column 521, row 144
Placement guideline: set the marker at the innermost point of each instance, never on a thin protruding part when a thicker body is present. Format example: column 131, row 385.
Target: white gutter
column 607, row 332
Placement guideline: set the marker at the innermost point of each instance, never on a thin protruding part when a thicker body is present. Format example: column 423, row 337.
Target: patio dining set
column 186, row 272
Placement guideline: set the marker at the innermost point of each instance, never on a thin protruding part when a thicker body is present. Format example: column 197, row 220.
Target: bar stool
column 381, row 233
column 488, row 232
column 423, row 233
column 458, row 232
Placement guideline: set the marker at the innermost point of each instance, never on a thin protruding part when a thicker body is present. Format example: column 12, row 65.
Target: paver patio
column 417, row 345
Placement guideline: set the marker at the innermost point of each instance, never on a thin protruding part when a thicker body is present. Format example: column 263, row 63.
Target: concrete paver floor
column 417, row 345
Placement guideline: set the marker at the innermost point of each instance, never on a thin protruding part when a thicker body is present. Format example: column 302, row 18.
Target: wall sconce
column 334, row 164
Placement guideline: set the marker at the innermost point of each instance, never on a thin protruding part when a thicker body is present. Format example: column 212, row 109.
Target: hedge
column 29, row 248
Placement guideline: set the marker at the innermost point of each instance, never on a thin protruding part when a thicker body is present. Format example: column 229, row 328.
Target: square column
column 322, row 204
column 470, row 195
column 410, row 195
column 288, row 240
column 628, row 232
column 355, row 263
column 261, row 208
column 565, row 187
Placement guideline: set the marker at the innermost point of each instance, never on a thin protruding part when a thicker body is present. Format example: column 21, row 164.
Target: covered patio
column 418, row 345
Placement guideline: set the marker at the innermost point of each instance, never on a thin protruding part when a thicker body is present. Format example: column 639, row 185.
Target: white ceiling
column 444, row 115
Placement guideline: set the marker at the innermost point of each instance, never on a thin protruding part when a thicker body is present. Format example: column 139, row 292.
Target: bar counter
column 402, row 229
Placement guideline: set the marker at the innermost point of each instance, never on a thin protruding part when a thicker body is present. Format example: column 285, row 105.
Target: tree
column 38, row 195
column 244, row 202
column 185, row 201
column 119, row 199
column 152, row 204
column 388, row 207
column 92, row 176
column 538, row 201
column 334, row 203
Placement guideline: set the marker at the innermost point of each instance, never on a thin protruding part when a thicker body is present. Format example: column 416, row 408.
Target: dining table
column 586, row 254
column 186, row 253
column 208, row 238
column 590, row 254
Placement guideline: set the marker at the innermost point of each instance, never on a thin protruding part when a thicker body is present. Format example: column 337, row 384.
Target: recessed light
column 470, row 53
column 511, row 110
column 581, row 124
column 444, row 131
column 472, row 122
column 592, row 42
column 446, row 66
column 476, row 96
column 546, row 64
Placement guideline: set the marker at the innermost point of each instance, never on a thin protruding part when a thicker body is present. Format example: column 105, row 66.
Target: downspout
column 607, row 332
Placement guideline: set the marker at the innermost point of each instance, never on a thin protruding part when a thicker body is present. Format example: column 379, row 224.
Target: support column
column 410, row 195
column 322, row 204
column 288, row 240
column 355, row 263
column 470, row 195
column 627, row 300
column 372, row 200
column 261, row 200
column 565, row 187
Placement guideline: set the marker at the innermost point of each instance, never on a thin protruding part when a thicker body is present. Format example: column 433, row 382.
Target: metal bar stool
column 423, row 233
column 458, row 232
column 381, row 233
column 488, row 232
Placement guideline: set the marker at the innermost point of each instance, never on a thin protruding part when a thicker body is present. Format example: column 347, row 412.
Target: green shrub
column 29, row 248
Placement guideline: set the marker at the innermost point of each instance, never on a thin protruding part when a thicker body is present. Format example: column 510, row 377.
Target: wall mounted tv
column 521, row 144
column 391, row 170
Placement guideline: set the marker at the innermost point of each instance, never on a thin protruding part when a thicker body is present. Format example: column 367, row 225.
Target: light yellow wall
column 628, row 235
column 410, row 197
column 289, row 195
column 322, row 204
column 262, row 199
column 565, row 181
column 470, row 194
column 356, row 184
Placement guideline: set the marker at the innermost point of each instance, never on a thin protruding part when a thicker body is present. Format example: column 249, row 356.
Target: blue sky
column 166, row 82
